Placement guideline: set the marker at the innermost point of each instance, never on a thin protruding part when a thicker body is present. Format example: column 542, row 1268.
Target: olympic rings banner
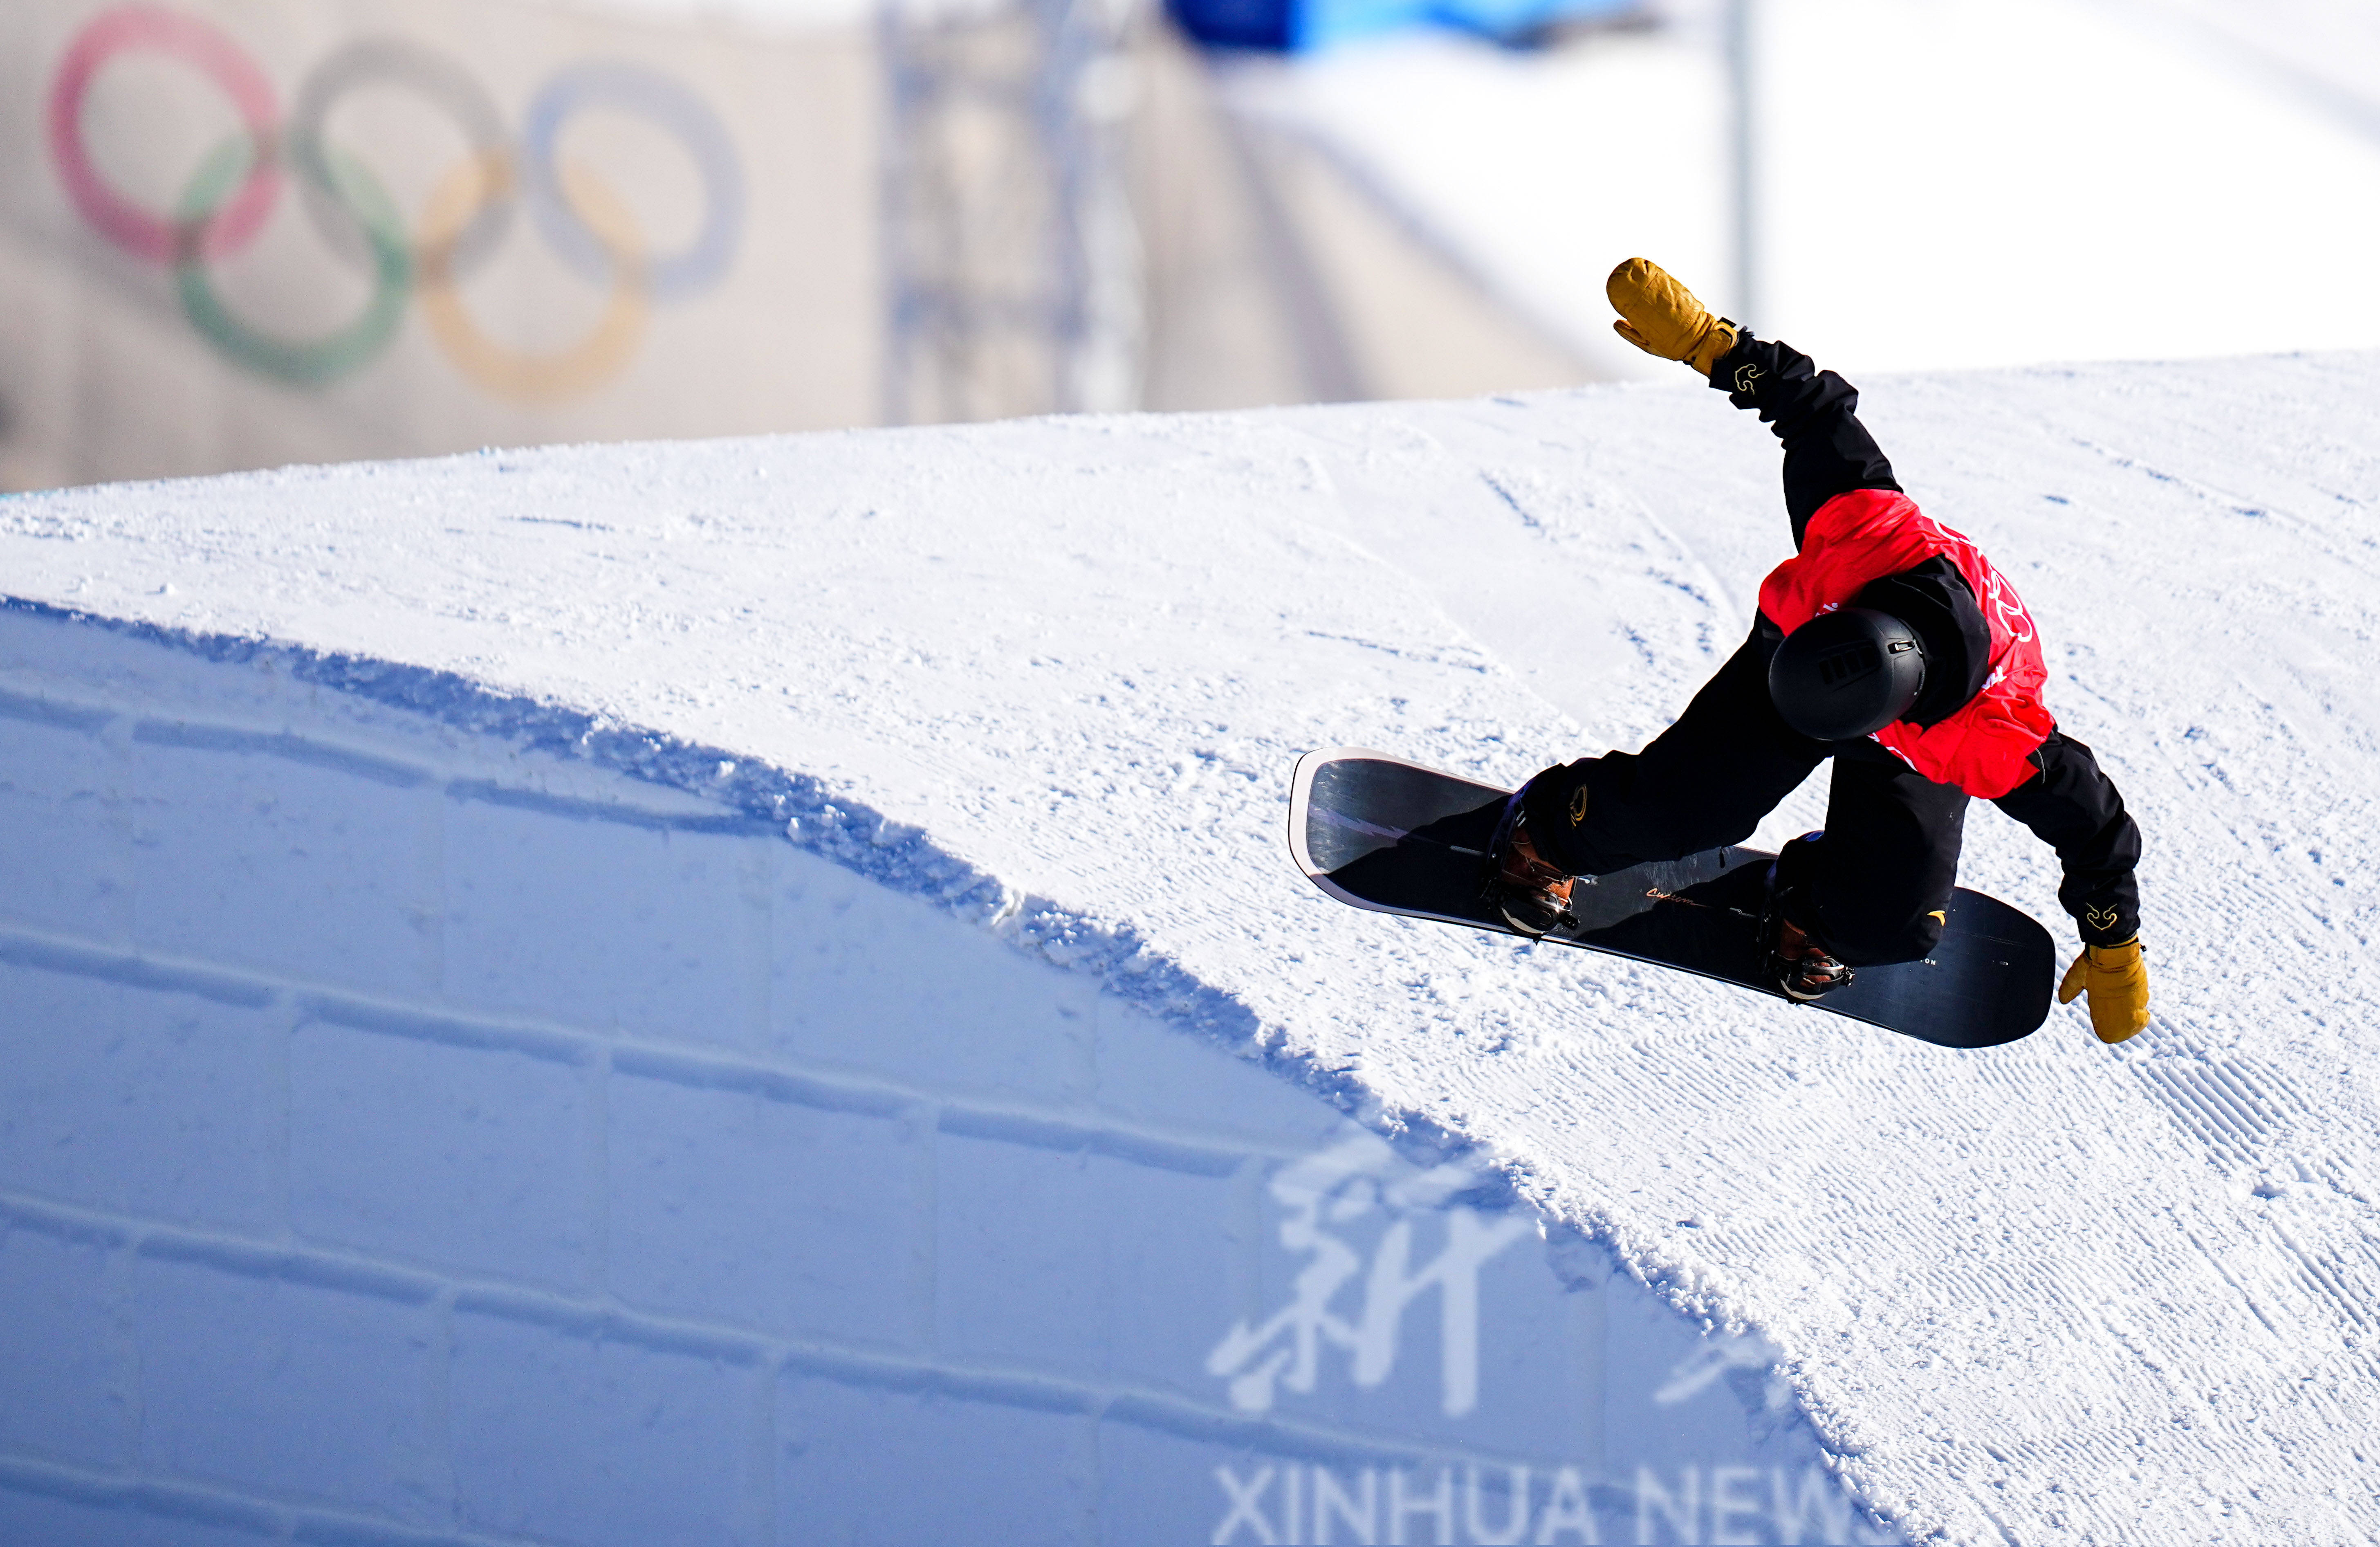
column 308, row 229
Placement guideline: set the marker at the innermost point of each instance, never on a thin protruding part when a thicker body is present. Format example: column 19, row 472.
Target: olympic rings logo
column 236, row 186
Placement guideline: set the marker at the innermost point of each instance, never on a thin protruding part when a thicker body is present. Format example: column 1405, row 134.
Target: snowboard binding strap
column 1533, row 895
column 1801, row 969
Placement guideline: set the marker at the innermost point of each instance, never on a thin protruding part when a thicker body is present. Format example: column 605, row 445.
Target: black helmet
column 1847, row 672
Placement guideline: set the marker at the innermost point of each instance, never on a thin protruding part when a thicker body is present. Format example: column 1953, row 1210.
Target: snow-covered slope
column 408, row 1122
column 1055, row 671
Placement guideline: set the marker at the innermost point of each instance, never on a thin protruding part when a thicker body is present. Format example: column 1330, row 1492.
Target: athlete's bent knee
column 1865, row 938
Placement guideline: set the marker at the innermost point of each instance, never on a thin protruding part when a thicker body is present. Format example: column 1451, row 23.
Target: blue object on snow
column 1307, row 25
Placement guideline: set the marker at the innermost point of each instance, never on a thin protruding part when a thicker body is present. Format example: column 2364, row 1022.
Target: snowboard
column 1378, row 833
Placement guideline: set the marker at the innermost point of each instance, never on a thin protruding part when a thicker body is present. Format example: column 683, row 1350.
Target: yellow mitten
column 2117, row 982
column 1661, row 317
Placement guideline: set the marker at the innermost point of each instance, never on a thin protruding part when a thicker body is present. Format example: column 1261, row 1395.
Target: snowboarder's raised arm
column 1827, row 450
column 1815, row 413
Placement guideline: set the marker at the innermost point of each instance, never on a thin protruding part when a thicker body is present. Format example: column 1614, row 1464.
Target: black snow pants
column 1878, row 884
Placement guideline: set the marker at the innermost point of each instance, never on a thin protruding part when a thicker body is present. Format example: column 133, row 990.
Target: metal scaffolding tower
column 1014, row 266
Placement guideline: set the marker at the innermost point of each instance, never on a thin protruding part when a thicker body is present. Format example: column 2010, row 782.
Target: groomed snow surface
column 1047, row 680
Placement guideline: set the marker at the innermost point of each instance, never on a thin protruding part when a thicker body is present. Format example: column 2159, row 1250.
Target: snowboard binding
column 1798, row 967
column 1532, row 894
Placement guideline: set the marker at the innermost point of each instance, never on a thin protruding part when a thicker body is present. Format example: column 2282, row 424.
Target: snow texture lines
column 1051, row 675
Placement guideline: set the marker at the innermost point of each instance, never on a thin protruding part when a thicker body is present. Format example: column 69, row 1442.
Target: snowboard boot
column 1531, row 893
column 1801, row 967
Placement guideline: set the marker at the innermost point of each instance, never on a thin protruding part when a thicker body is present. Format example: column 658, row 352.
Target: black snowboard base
column 1382, row 834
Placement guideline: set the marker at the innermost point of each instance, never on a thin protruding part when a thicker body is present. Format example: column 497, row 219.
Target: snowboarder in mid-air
column 1888, row 643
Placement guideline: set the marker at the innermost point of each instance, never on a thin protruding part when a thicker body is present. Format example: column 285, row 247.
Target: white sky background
column 1945, row 182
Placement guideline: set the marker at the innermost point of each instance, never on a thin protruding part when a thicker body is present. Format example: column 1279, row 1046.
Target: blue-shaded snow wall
column 405, row 1137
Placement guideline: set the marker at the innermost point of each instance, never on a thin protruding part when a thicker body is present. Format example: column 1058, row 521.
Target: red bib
column 1870, row 533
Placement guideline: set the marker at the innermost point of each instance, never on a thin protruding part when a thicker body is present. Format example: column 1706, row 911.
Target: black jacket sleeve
column 2073, row 806
column 1815, row 413
column 1828, row 452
